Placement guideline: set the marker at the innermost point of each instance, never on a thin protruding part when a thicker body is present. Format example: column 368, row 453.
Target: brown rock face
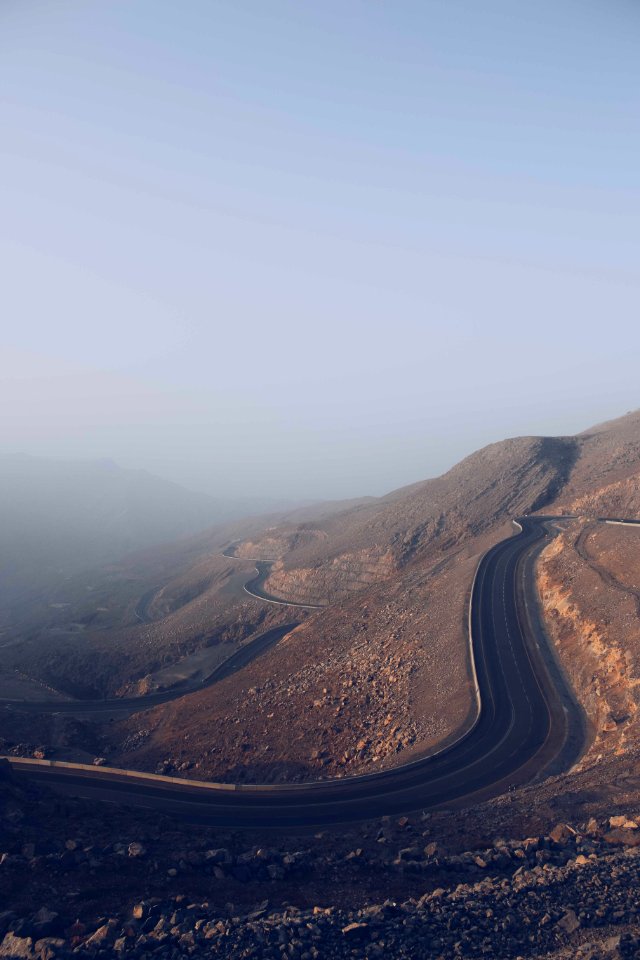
column 587, row 580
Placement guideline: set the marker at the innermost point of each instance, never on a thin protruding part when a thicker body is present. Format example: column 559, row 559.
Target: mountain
column 381, row 672
column 374, row 677
column 60, row 517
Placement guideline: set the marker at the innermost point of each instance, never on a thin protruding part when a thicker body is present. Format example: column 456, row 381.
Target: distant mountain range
column 58, row 517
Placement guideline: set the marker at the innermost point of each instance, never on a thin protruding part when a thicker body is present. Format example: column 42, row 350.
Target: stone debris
column 569, row 893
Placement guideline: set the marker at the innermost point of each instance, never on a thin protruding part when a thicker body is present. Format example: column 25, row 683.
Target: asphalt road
column 255, row 586
column 142, row 607
column 121, row 705
column 527, row 724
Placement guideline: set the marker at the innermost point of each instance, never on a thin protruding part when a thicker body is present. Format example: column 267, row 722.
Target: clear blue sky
column 315, row 248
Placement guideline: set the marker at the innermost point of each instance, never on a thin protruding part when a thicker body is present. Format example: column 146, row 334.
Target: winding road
column 117, row 706
column 255, row 586
column 526, row 723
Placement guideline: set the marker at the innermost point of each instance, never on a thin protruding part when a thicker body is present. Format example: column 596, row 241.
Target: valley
column 350, row 705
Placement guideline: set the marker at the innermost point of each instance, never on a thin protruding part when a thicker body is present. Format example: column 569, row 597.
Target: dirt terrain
column 110, row 629
column 589, row 580
column 377, row 694
column 552, row 878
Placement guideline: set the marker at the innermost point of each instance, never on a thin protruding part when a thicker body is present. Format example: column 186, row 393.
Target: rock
column 136, row 849
column 13, row 946
column 221, row 855
column 627, row 838
column 6, row 919
column 562, row 833
column 617, row 821
column 356, row 931
column 102, row 935
column 50, row 947
column 408, row 853
column 569, row 922
column 354, row 854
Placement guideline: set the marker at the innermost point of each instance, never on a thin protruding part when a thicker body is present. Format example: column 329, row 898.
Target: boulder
column 13, row 946
column 569, row 923
column 627, row 838
column 562, row 833
column 50, row 947
column 103, row 935
column 356, row 931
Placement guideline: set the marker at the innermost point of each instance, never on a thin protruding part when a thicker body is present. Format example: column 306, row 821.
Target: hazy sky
column 315, row 247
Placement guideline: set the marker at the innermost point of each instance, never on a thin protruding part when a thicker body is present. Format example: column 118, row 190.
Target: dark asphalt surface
column 528, row 722
column 120, row 705
column 255, row 586
column 142, row 607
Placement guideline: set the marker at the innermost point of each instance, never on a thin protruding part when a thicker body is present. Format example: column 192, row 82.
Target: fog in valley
column 276, row 255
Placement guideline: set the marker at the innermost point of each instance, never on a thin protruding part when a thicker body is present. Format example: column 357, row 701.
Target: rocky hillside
column 363, row 545
column 548, row 871
column 380, row 674
column 594, row 473
column 106, row 628
column 81, row 879
column 392, row 677
column 359, row 686
column 605, row 480
column 589, row 581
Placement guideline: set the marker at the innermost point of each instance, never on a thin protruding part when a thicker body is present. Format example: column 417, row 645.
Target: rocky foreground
column 517, row 899
column 97, row 881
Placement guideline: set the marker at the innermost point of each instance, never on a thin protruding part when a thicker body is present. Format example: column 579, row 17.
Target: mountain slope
column 59, row 517
column 381, row 674
column 360, row 546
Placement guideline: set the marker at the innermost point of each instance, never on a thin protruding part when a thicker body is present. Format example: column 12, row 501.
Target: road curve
column 121, row 705
column 528, row 723
column 255, row 586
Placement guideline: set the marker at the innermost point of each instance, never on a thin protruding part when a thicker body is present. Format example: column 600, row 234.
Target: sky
column 315, row 249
